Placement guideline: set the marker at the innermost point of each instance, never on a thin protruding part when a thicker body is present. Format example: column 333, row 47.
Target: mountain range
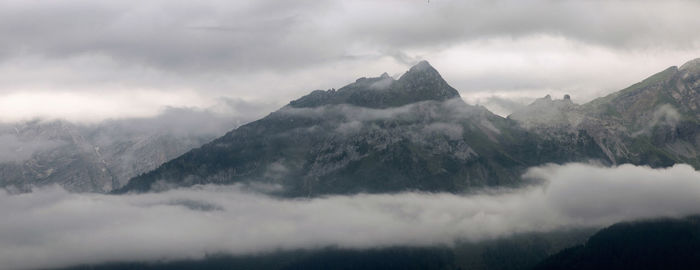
column 375, row 135
column 383, row 134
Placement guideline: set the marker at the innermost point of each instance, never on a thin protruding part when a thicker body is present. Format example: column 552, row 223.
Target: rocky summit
column 421, row 83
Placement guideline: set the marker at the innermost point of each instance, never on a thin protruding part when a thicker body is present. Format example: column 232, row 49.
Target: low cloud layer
column 50, row 227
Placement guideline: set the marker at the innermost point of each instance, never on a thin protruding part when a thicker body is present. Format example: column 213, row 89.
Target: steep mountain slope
column 374, row 135
column 654, row 122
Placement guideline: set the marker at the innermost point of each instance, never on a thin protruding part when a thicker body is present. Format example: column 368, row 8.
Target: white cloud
column 663, row 116
column 51, row 227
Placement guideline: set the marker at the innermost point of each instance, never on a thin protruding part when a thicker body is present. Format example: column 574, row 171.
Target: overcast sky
column 91, row 60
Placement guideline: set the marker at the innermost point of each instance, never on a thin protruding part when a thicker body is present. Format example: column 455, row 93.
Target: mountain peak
column 422, row 68
column 422, row 65
column 420, row 83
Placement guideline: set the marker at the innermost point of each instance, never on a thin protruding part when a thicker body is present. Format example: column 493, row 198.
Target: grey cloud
column 190, row 223
column 121, row 148
column 503, row 106
column 276, row 170
column 403, row 57
column 664, row 115
column 183, row 121
column 208, row 36
column 178, row 122
column 351, row 127
column 245, row 110
column 127, row 144
column 277, row 51
column 215, row 35
column 453, row 131
column 350, row 112
column 431, row 121
column 627, row 24
column 453, row 109
column 382, row 84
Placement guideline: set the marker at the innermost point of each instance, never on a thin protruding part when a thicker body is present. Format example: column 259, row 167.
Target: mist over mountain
column 200, row 223
column 410, row 133
column 645, row 244
column 415, row 133
column 451, row 184
column 374, row 135
column 100, row 157
column 335, row 134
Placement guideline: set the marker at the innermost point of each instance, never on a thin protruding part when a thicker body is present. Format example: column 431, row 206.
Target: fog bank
column 51, row 227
